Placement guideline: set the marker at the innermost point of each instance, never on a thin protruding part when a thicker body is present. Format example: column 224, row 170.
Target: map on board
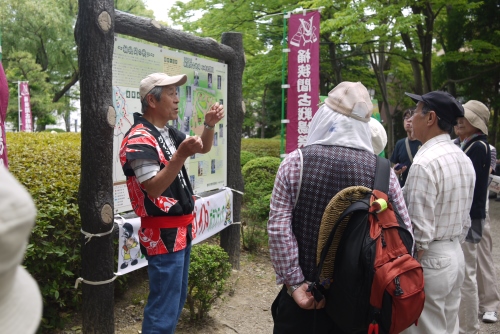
column 206, row 84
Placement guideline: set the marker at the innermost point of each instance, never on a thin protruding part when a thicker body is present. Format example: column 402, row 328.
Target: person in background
column 332, row 161
column 438, row 193
column 152, row 155
column 20, row 298
column 473, row 127
column 489, row 296
column 405, row 150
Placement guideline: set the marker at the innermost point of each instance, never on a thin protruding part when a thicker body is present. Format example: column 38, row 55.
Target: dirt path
column 245, row 307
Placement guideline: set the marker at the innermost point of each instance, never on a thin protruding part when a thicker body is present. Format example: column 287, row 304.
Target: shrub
column 48, row 165
column 258, row 175
column 261, row 147
column 208, row 272
column 245, row 157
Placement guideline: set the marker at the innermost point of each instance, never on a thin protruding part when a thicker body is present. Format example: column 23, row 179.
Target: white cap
column 160, row 79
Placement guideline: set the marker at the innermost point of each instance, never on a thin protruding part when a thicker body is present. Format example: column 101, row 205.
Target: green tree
column 44, row 30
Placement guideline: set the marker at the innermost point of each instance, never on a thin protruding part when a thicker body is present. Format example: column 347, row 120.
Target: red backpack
column 376, row 285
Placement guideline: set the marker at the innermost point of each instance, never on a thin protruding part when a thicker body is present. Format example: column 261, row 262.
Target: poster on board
column 206, row 85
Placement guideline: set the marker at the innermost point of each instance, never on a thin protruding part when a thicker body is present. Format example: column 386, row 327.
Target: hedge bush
column 208, row 272
column 245, row 157
column 48, row 165
column 262, row 147
column 258, row 175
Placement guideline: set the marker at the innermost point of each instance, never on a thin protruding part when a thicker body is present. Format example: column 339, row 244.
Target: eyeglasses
column 413, row 113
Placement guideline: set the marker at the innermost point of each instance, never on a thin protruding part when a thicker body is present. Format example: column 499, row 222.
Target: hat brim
column 475, row 120
column 21, row 308
column 176, row 80
column 416, row 98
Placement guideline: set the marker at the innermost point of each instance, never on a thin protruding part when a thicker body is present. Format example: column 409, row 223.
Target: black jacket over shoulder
column 480, row 155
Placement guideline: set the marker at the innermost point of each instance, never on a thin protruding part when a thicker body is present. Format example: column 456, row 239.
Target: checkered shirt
column 439, row 191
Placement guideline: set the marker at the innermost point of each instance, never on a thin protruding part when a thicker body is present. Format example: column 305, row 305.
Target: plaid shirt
column 439, row 192
column 283, row 247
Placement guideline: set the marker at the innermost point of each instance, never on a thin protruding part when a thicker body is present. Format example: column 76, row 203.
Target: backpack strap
column 382, row 175
column 479, row 141
column 408, row 150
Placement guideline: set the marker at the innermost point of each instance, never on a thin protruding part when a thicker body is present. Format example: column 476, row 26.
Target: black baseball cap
column 442, row 103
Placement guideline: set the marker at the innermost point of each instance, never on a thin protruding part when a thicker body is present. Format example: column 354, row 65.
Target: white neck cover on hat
column 331, row 128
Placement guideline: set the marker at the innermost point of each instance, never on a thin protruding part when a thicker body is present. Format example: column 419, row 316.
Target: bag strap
column 382, row 175
column 408, row 150
column 479, row 141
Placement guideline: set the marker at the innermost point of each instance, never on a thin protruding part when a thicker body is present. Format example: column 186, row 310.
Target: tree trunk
column 230, row 236
column 263, row 120
column 95, row 38
column 417, row 74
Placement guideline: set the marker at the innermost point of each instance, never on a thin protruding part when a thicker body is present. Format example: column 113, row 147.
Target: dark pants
column 289, row 318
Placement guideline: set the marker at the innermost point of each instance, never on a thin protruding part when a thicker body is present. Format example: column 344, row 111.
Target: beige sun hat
column 20, row 298
column 351, row 99
column 160, row 79
column 477, row 114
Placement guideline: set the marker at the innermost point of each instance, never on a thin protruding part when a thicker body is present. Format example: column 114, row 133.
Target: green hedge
column 48, row 165
column 245, row 157
column 258, row 175
column 262, row 147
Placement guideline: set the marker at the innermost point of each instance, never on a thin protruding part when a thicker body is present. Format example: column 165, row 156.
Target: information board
column 206, row 84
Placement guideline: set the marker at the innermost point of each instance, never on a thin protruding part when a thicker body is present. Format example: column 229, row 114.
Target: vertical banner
column 26, row 117
column 4, row 102
column 303, row 76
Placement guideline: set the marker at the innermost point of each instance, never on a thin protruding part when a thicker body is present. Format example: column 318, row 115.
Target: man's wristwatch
column 208, row 127
column 292, row 288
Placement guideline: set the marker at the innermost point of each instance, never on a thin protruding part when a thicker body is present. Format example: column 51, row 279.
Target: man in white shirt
column 438, row 193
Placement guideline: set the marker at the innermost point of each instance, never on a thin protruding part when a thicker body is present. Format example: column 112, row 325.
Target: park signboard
column 206, row 84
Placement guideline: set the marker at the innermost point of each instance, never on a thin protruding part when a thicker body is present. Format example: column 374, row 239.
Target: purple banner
column 303, row 76
column 26, row 117
column 4, row 102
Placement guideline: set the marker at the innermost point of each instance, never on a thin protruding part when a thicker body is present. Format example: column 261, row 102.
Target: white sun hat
column 20, row 298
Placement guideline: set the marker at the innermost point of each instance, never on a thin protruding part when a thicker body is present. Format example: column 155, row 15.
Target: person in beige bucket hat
column 473, row 130
column 473, row 127
column 20, row 298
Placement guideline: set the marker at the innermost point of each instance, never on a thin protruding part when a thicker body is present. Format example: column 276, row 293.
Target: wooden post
column 94, row 34
column 230, row 236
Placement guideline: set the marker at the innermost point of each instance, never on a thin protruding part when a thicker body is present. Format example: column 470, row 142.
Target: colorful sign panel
column 24, row 103
column 206, row 84
column 303, row 77
column 4, row 102
column 212, row 214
